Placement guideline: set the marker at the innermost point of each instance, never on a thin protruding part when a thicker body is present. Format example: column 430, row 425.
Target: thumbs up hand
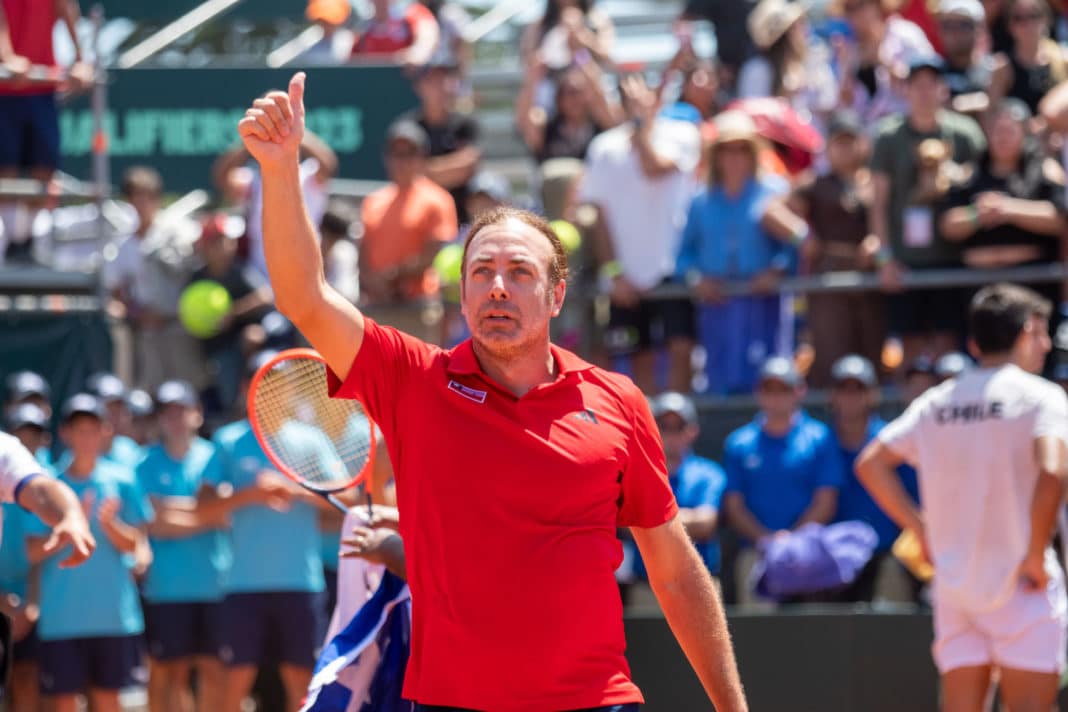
column 273, row 126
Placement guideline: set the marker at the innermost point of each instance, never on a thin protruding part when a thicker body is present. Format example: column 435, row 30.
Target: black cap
column 845, row 121
column 83, row 404
column 931, row 61
column 920, row 365
column 23, row 384
column 410, row 131
column 177, row 393
column 673, row 402
column 781, row 369
column 139, row 403
column 951, row 365
column 257, row 360
column 854, row 368
column 106, row 386
column 27, row 414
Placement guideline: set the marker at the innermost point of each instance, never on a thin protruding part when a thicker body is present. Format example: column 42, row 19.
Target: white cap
column 972, row 9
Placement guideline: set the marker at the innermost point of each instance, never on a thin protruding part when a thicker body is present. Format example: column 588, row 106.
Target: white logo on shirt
column 467, row 392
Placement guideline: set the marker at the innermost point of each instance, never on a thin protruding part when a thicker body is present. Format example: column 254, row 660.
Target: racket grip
column 370, row 508
column 335, row 501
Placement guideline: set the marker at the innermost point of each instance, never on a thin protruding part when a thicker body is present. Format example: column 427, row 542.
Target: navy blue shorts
column 73, row 665
column 29, row 131
column 182, row 630
column 630, row 707
column 271, row 628
column 25, row 650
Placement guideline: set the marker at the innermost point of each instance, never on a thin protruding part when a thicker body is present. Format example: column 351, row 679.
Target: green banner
column 173, row 9
column 180, row 120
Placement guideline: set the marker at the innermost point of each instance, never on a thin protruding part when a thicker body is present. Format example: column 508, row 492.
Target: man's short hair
column 141, row 179
column 998, row 314
column 557, row 267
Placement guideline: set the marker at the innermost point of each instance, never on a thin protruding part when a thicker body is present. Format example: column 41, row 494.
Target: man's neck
column 852, row 432
column 924, row 122
column 178, row 448
column 996, row 360
column 673, row 464
column 435, row 115
column 81, row 466
column 779, row 426
column 521, row 374
column 1003, row 168
column 734, row 188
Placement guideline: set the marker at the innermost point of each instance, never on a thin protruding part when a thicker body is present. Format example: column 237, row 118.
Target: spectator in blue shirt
column 727, row 238
column 91, row 621
column 183, row 587
column 853, row 394
column 110, row 389
column 783, row 469
column 272, row 612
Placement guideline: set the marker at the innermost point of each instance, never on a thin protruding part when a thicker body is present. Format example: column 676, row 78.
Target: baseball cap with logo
column 674, row 402
column 106, row 386
column 27, row 414
column 854, row 368
column 781, row 369
column 139, row 403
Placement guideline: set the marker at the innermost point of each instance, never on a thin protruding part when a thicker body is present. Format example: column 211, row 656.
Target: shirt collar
column 462, row 361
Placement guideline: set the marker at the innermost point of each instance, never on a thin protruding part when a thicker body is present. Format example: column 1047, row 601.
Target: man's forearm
column 885, row 488
column 49, row 499
column 822, row 509
column 294, row 262
column 1047, row 501
column 122, row 536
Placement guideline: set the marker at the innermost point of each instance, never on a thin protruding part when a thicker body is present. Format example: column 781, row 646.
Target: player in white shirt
column 991, row 451
column 23, row 480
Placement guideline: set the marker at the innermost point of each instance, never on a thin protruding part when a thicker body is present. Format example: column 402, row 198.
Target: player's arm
column 272, row 130
column 7, row 49
column 127, row 538
column 693, row 609
column 57, row 506
column 822, row 508
column 179, row 517
column 876, row 469
column 1051, row 456
column 378, row 546
column 699, row 522
column 741, row 519
column 218, row 503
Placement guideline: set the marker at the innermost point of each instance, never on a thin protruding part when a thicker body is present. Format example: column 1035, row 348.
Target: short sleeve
column 17, row 465
column 882, row 158
column 647, row 499
column 386, row 359
column 732, row 468
column 900, row 435
column 1052, row 416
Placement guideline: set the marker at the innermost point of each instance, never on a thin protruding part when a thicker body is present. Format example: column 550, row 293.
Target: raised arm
column 272, row 130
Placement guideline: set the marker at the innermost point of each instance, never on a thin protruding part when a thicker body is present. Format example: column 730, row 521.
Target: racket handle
column 335, row 501
column 370, row 508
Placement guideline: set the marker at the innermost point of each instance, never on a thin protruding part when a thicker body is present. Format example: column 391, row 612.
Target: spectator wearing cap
column 697, row 482
column 968, row 68
column 639, row 178
column 334, row 46
column 453, row 154
column 404, row 226
column 904, row 160
column 18, row 600
column 727, row 236
column 91, row 620
column 1010, row 211
column 183, row 587
column 142, row 426
column 789, row 62
column 919, row 377
column 145, row 277
column 28, row 387
column 871, row 66
column 250, row 299
column 406, row 35
column 1036, row 63
column 835, row 207
column 853, row 398
column 111, row 391
column 341, row 260
column 783, row 469
column 952, row 365
column 272, row 610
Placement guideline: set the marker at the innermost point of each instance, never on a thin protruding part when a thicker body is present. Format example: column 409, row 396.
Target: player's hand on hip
column 1033, row 572
column 273, row 126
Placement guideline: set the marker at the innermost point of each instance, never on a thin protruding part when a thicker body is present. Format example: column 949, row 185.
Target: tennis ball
column 568, row 234
column 449, row 263
column 201, row 307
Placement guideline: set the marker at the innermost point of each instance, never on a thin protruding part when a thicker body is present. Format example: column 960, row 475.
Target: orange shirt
column 398, row 224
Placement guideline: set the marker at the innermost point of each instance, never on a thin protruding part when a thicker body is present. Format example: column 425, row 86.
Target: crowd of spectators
column 879, row 138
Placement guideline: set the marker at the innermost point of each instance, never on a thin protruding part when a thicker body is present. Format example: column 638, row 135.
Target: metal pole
column 167, row 35
column 99, row 103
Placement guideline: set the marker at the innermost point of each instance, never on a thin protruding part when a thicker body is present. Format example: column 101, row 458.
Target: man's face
column 31, row 437
column 677, row 435
column 958, row 34
column 146, row 204
column 777, row 399
column 926, row 92
column 435, row 87
column 177, row 421
column 1033, row 344
column 850, row 400
column 85, row 435
column 404, row 161
column 505, row 295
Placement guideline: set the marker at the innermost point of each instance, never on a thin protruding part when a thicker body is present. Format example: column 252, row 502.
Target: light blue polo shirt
column 124, row 451
column 189, row 569
column 778, row 476
column 98, row 598
column 272, row 551
column 14, row 562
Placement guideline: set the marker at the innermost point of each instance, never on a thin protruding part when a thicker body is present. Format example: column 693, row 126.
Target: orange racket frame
column 366, row 474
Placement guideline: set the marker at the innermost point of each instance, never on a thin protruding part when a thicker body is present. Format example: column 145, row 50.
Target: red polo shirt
column 509, row 509
column 30, row 24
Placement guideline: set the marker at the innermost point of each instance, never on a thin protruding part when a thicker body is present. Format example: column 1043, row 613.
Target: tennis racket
column 324, row 444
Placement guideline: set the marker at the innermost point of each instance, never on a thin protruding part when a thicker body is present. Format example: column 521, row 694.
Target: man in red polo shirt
column 515, row 462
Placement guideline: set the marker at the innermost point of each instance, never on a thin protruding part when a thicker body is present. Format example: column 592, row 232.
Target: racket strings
column 325, row 442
